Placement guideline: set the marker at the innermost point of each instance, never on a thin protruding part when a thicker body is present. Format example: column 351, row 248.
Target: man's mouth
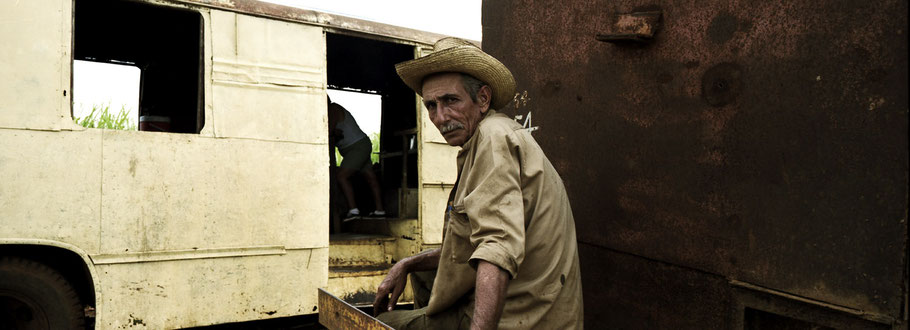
column 450, row 126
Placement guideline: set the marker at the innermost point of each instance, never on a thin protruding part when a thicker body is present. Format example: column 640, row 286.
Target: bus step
column 351, row 249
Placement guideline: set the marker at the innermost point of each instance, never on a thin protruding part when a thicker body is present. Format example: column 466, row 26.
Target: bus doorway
column 361, row 78
column 357, row 69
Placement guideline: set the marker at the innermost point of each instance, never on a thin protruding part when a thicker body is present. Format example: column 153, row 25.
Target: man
column 509, row 256
column 355, row 148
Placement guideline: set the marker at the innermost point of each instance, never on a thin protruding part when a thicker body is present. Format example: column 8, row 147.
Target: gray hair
column 472, row 85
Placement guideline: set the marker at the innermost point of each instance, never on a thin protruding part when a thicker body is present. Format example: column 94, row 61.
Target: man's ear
column 484, row 97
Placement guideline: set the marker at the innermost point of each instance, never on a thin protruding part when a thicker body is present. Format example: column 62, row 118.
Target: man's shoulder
column 498, row 124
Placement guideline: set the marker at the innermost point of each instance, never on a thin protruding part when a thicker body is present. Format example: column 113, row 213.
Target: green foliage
column 374, row 156
column 337, row 158
column 102, row 117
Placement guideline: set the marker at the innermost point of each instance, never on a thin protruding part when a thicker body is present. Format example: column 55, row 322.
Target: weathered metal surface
column 184, row 293
column 786, row 304
column 267, row 65
column 359, row 262
column 195, row 229
column 637, row 27
column 184, row 229
column 146, row 205
column 764, row 142
column 34, row 205
column 336, row 314
column 405, row 232
column 357, row 285
column 36, row 97
column 349, row 249
column 623, row 291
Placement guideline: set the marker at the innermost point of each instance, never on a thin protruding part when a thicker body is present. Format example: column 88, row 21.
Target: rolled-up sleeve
column 494, row 204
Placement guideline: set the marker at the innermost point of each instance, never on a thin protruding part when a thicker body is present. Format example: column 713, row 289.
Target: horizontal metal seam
column 172, row 255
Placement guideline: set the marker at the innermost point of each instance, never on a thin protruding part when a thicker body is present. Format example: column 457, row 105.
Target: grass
column 102, row 117
column 374, row 155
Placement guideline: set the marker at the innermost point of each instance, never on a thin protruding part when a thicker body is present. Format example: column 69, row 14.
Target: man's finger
column 381, row 295
column 379, row 306
column 394, row 300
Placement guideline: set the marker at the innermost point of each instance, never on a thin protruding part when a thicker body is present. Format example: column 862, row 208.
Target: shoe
column 352, row 214
column 377, row 214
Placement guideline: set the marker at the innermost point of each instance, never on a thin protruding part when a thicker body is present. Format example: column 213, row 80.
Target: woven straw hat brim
column 464, row 59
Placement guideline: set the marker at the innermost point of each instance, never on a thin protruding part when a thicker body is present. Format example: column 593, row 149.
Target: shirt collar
column 468, row 145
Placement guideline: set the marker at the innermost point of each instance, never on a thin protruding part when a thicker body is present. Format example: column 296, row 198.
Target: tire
column 34, row 296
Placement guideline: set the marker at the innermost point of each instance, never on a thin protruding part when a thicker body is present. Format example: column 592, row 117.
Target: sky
column 455, row 18
column 118, row 85
column 364, row 107
column 105, row 84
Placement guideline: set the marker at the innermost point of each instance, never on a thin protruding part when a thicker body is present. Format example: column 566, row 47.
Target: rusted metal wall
column 758, row 144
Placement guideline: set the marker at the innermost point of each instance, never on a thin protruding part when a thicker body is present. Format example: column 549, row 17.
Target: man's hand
column 393, row 284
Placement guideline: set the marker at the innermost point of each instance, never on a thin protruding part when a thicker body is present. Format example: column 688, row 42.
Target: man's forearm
column 489, row 295
column 426, row 260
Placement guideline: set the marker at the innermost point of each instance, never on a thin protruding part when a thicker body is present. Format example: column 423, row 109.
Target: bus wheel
column 34, row 296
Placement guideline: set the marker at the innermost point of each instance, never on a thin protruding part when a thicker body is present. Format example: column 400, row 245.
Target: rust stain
column 132, row 169
column 875, row 103
column 635, row 25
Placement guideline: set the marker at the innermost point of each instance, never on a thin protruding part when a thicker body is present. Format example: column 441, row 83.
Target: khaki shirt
column 511, row 209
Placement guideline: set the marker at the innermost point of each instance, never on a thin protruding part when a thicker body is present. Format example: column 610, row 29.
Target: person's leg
column 404, row 319
column 452, row 318
column 422, row 283
column 360, row 155
column 344, row 180
column 421, row 286
column 374, row 187
column 355, row 157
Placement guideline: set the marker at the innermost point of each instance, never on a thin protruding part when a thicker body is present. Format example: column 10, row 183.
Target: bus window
column 155, row 40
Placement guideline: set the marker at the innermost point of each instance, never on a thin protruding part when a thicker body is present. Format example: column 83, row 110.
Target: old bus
column 227, row 215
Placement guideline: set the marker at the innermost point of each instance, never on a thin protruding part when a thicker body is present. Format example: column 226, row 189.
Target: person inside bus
column 355, row 148
column 509, row 255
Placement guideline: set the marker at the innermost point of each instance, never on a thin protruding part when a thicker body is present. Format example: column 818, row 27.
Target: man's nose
column 439, row 116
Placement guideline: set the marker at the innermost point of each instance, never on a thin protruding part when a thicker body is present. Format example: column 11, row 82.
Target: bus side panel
column 166, row 192
column 51, row 186
column 185, row 293
column 268, row 79
column 201, row 231
column 35, row 64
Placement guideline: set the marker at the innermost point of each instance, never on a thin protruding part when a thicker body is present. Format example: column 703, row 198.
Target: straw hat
column 457, row 55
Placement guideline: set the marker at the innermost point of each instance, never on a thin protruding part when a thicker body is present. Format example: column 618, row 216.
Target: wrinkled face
column 451, row 109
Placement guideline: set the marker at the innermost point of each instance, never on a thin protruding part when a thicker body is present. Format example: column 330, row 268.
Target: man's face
column 451, row 108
